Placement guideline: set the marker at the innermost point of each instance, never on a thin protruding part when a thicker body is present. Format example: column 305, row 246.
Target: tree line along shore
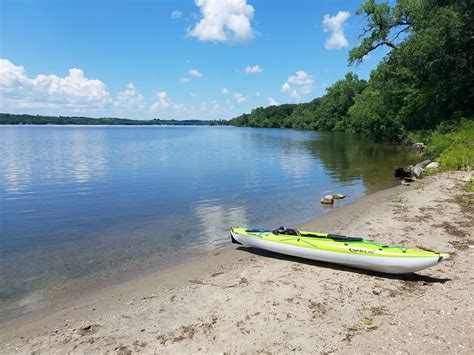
column 425, row 82
column 422, row 90
column 12, row 119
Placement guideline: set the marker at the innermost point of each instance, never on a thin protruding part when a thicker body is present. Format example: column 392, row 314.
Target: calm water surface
column 90, row 203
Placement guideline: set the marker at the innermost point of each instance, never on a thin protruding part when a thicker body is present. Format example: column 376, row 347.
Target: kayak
column 349, row 251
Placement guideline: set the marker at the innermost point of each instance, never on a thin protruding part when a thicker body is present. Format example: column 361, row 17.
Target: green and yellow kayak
column 349, row 251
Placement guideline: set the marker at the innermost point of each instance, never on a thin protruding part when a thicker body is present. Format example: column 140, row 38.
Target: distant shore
column 14, row 119
column 239, row 300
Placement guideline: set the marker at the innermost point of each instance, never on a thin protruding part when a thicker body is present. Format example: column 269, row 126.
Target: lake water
column 84, row 204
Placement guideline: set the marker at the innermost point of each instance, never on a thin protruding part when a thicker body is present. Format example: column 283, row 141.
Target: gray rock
column 328, row 199
column 433, row 165
column 411, row 170
column 418, row 168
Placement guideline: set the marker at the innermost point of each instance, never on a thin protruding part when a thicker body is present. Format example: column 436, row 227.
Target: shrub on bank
column 470, row 185
column 451, row 145
column 454, row 150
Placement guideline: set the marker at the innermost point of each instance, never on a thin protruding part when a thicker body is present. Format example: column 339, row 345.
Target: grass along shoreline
column 452, row 147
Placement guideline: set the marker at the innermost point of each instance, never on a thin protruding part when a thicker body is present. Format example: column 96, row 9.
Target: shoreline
column 236, row 299
column 48, row 298
column 45, row 299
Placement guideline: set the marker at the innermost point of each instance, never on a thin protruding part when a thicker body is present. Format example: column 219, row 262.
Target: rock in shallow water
column 328, row 199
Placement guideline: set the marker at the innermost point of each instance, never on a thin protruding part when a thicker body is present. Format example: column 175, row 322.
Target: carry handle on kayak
column 336, row 237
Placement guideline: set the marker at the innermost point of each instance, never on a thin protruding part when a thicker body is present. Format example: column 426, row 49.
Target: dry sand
column 241, row 300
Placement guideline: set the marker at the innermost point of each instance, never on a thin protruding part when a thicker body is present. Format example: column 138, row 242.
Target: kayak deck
column 338, row 249
column 350, row 245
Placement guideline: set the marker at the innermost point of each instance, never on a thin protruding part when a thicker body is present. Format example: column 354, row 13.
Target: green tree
column 384, row 26
column 427, row 79
column 332, row 112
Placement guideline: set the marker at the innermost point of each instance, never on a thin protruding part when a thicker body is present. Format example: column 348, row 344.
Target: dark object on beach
column 411, row 170
column 89, row 329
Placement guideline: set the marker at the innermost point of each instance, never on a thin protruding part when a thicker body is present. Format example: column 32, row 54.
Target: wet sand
column 242, row 300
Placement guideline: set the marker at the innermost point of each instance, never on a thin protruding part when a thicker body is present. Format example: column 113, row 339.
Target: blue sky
column 204, row 59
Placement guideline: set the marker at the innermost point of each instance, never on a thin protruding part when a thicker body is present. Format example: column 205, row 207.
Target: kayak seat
column 286, row 231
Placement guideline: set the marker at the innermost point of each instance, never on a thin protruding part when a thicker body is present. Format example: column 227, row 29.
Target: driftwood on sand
column 411, row 170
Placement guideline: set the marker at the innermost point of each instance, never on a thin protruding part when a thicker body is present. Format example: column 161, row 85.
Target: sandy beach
column 241, row 300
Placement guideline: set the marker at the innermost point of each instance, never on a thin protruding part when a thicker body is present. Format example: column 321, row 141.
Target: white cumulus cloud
column 334, row 25
column 253, row 70
column 298, row 84
column 176, row 14
column 195, row 73
column 129, row 99
column 12, row 77
column 163, row 101
column 224, row 91
column 224, row 20
column 73, row 90
column 239, row 98
column 272, row 102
